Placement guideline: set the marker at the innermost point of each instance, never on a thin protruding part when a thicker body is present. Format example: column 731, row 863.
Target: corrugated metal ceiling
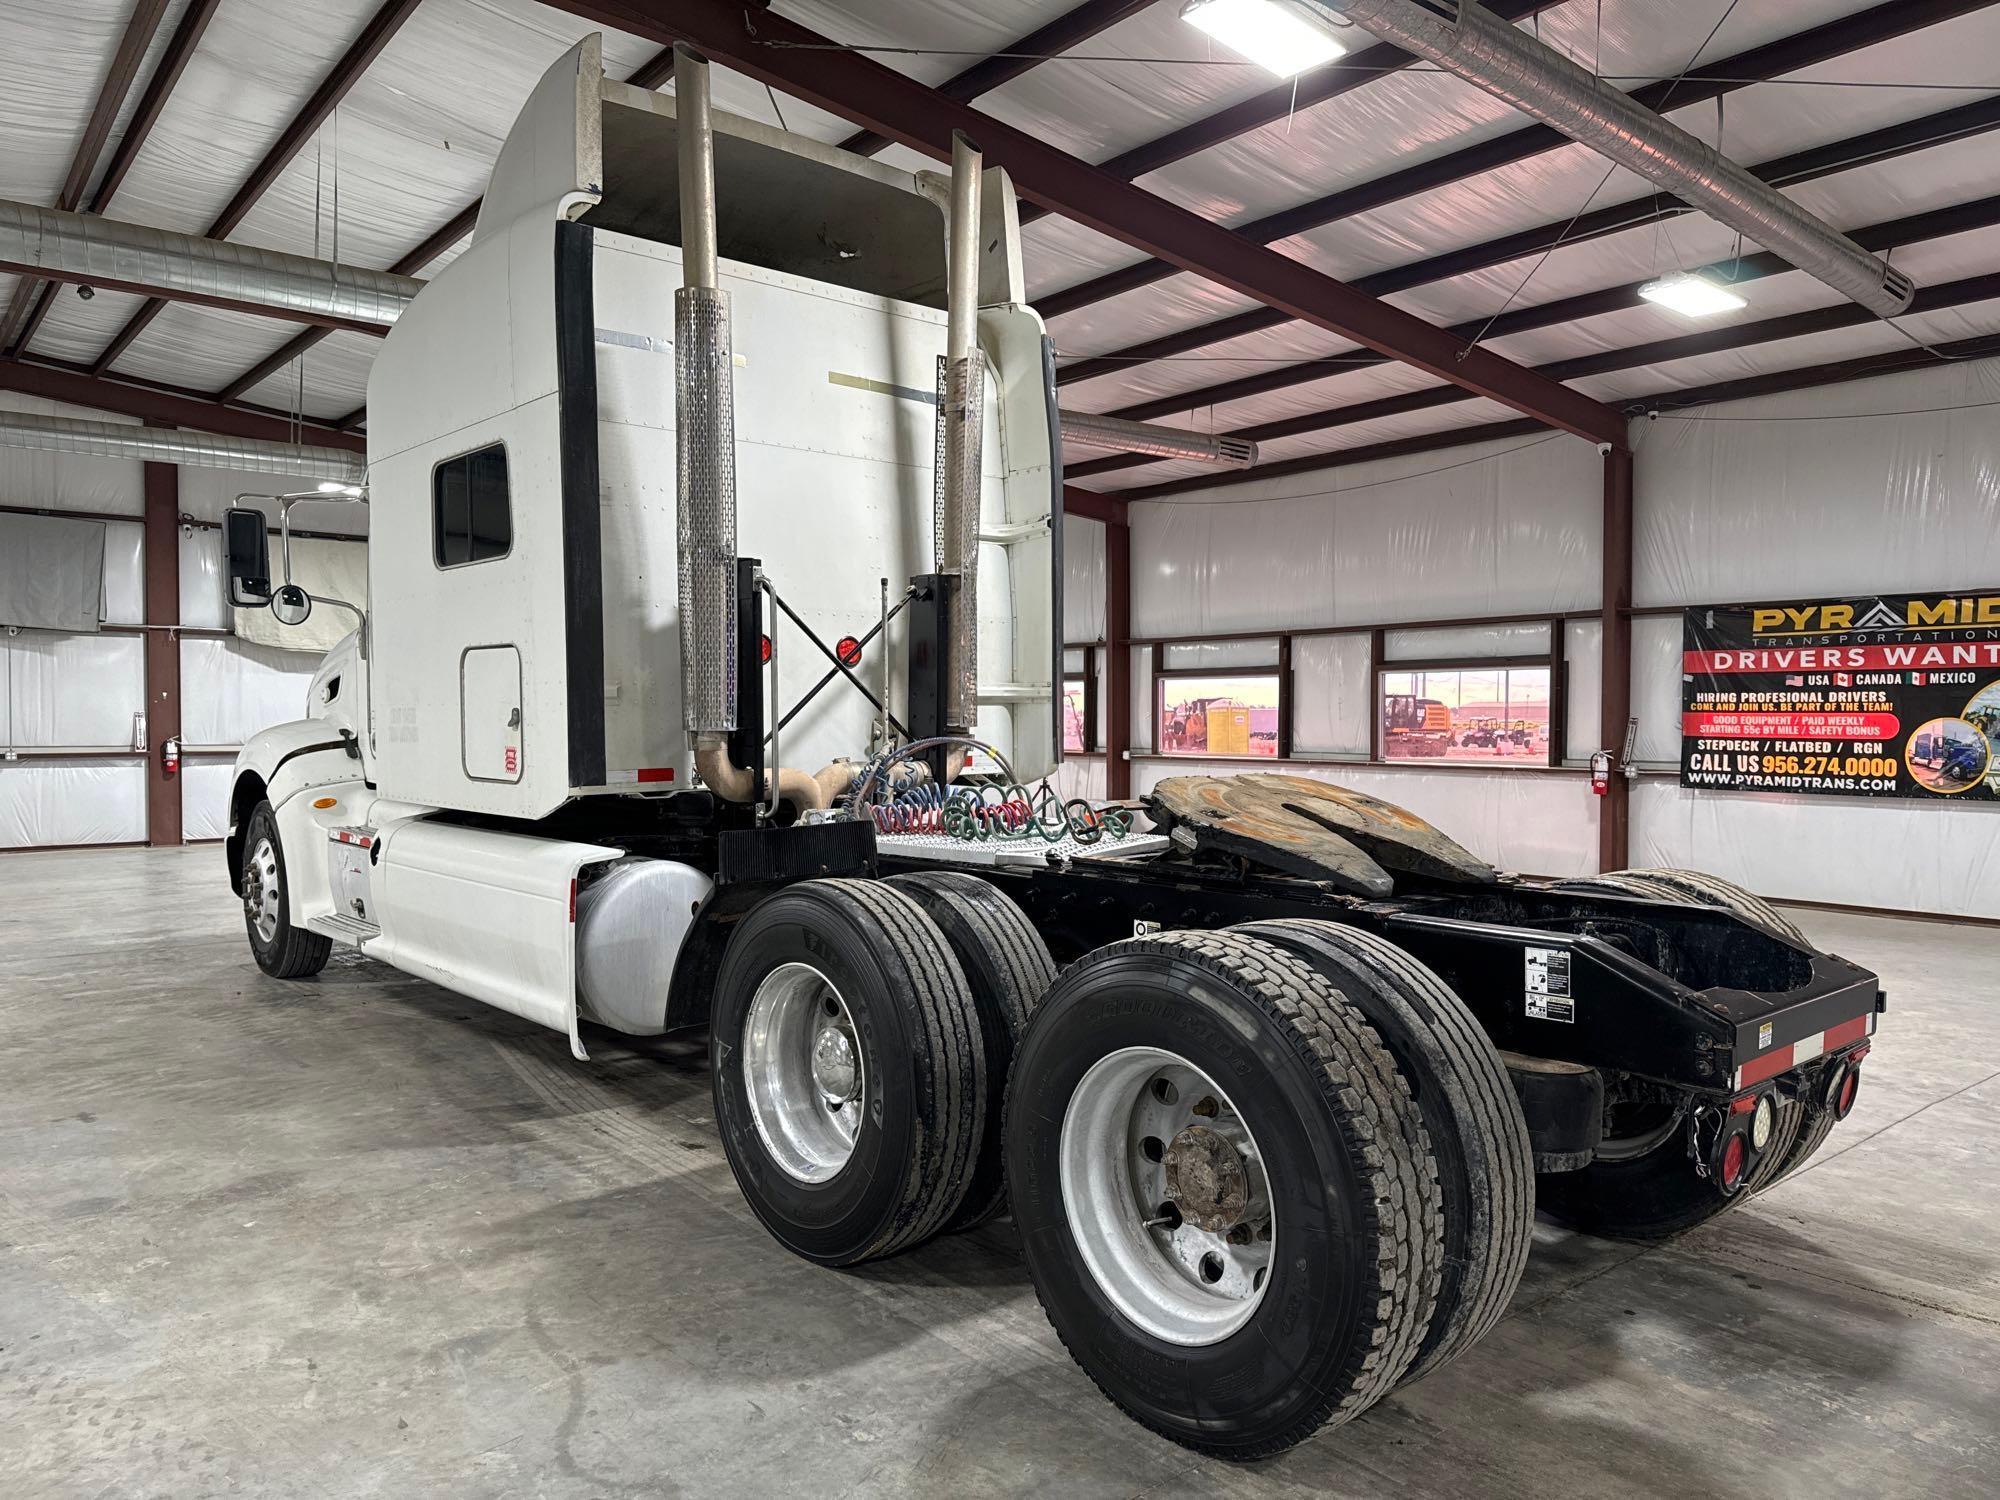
column 412, row 143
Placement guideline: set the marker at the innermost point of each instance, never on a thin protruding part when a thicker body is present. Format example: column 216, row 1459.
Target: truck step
column 343, row 929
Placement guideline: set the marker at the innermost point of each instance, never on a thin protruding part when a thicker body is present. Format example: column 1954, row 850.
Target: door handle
column 514, row 719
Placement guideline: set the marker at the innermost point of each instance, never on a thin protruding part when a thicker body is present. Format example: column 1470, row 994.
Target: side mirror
column 291, row 604
column 246, row 548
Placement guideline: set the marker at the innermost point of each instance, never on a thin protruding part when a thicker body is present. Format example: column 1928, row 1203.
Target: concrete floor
column 360, row 1237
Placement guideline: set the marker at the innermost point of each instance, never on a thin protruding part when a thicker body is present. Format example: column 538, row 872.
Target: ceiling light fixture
column 1279, row 36
column 1691, row 295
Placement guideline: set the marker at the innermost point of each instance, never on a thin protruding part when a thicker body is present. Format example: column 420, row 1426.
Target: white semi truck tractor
column 710, row 676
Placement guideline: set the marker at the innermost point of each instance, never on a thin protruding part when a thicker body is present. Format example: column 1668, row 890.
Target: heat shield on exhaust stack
column 705, row 450
column 963, row 420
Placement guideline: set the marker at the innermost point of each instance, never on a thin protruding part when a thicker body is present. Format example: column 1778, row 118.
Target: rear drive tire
column 849, row 1072
column 1289, row 1273
column 1007, row 966
column 282, row 950
column 1486, row 1166
column 1713, row 890
column 1691, row 888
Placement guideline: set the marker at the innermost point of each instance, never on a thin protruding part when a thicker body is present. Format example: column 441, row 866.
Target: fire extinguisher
column 1600, row 773
column 170, row 756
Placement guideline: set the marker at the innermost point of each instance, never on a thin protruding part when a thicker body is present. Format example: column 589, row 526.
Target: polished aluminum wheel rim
column 1166, row 1195
column 803, row 1071
column 263, row 891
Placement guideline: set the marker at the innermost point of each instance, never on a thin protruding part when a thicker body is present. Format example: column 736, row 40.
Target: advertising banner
column 1896, row 695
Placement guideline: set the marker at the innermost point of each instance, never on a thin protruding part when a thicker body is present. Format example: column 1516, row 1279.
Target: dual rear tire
column 1262, row 1176
column 859, row 1039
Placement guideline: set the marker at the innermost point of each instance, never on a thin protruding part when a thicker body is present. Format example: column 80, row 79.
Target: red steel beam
column 1118, row 661
column 173, row 62
column 1059, row 35
column 1959, row 123
column 164, row 406
column 375, row 36
column 163, row 649
column 139, row 32
column 1983, row 213
column 435, row 244
column 1614, row 704
column 782, row 53
column 1787, row 55
column 1279, row 102
column 1771, row 383
column 1063, row 32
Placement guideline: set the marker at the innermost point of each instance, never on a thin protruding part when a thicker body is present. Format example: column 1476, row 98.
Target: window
column 1217, row 714
column 469, row 517
column 1469, row 715
column 1076, row 716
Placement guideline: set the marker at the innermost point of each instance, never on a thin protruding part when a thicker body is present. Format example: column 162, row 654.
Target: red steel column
column 1118, row 658
column 163, row 649
column 1615, row 813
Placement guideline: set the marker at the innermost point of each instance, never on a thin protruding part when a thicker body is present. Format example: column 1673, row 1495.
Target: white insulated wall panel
column 230, row 689
column 1399, row 539
column 68, row 481
column 1083, row 580
column 1811, row 494
column 75, row 691
column 205, row 784
column 124, row 573
column 203, row 601
column 1332, row 696
column 1852, row 851
column 1583, row 654
column 97, row 801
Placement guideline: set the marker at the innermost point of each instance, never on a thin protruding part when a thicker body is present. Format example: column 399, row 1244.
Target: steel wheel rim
column 1133, row 1214
column 803, row 1072
column 263, row 891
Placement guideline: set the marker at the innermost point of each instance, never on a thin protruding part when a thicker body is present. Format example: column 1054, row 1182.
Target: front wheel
column 283, row 951
column 1224, row 1190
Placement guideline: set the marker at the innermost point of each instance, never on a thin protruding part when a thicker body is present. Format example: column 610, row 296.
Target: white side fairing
column 490, row 915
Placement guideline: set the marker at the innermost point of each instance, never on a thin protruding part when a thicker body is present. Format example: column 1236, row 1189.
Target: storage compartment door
column 490, row 727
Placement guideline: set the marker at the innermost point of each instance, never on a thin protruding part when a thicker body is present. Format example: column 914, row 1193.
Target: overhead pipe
column 166, row 445
column 963, row 427
column 117, row 256
column 1465, row 38
column 1092, row 430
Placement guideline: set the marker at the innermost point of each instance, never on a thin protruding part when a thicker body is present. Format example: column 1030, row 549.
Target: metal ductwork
column 705, row 445
column 1467, row 39
column 98, row 252
column 162, row 445
column 962, row 425
column 1155, row 441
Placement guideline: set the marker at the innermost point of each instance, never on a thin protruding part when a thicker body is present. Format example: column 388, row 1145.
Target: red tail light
column 1733, row 1153
column 1843, row 1099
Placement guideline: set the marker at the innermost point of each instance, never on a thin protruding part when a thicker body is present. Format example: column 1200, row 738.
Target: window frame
column 1556, row 754
column 1280, row 674
column 437, row 528
column 1087, row 678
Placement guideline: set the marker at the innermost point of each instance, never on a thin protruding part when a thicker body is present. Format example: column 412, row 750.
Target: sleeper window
column 469, row 518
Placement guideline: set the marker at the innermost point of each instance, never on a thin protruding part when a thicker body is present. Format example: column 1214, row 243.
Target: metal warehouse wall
column 1792, row 496
column 68, row 774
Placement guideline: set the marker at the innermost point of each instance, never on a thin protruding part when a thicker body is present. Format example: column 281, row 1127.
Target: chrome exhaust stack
column 705, row 438
column 962, row 423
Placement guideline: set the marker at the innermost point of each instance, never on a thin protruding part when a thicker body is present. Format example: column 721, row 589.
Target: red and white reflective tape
column 349, row 836
column 1784, row 1059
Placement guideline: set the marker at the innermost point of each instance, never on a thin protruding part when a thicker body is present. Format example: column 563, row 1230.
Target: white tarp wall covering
column 1801, row 496
column 76, row 692
column 1854, row 489
column 1500, row 529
